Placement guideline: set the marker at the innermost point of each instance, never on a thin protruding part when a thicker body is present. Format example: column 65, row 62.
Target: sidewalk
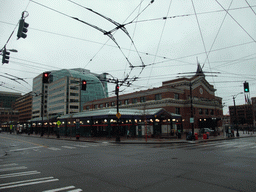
column 124, row 140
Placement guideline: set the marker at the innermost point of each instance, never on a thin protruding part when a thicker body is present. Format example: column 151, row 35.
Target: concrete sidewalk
column 124, row 140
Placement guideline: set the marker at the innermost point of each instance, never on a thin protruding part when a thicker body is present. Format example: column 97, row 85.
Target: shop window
column 142, row 99
column 176, row 96
column 134, row 100
column 158, row 96
column 126, row 101
column 177, row 110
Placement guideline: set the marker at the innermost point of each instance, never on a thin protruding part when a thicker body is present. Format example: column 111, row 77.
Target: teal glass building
column 63, row 94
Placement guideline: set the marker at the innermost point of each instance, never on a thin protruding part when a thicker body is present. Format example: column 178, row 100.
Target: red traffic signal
column 117, row 89
column 83, row 85
column 46, row 76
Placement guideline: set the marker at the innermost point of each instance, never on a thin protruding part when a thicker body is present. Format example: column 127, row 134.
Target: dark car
column 205, row 130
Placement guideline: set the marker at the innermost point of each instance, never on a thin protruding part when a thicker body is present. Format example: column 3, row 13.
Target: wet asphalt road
column 39, row 164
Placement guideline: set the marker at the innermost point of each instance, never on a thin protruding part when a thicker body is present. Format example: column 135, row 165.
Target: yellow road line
column 24, row 141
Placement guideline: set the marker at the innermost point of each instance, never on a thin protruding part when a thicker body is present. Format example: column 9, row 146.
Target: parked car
column 205, row 130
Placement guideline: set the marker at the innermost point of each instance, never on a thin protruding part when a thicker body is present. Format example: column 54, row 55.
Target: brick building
column 24, row 105
column 174, row 96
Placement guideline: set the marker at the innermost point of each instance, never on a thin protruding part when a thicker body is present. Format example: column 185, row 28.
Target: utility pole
column 192, row 113
column 117, row 110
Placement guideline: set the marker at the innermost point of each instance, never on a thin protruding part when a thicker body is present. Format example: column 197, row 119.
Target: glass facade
column 63, row 94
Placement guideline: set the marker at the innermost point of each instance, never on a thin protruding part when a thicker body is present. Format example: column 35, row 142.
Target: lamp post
column 234, row 100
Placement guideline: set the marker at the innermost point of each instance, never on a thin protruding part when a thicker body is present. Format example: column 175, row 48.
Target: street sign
column 191, row 119
column 118, row 115
column 58, row 123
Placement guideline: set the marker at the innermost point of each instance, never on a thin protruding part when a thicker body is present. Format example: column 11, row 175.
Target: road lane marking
column 18, row 174
column 7, row 165
column 76, row 190
column 27, row 182
column 81, row 145
column 23, row 149
column 54, row 148
column 60, row 189
column 12, row 168
column 23, row 141
column 68, row 147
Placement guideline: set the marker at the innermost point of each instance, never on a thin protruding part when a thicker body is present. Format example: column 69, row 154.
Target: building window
column 113, row 103
column 176, row 96
column 200, row 111
column 87, row 107
column 101, row 106
column 119, row 103
column 107, row 104
column 126, row 101
column 206, row 112
column 177, row 110
column 158, row 96
column 211, row 112
column 95, row 106
column 142, row 99
column 134, row 100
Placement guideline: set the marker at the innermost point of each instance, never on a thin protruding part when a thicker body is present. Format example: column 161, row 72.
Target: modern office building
column 8, row 115
column 7, row 99
column 63, row 94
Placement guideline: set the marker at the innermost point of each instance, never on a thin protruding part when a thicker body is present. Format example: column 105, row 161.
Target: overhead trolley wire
column 160, row 39
column 236, row 22
column 250, row 7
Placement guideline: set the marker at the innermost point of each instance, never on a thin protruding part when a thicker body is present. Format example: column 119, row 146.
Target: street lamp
column 234, row 100
column 13, row 50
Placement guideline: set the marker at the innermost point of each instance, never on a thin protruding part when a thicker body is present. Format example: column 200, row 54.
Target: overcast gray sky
column 225, row 30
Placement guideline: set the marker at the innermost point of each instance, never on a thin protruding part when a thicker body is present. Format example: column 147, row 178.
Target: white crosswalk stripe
column 54, row 148
column 27, row 182
column 18, row 182
column 232, row 145
column 23, row 149
column 68, row 147
column 81, row 146
column 18, row 174
column 12, row 168
column 60, row 189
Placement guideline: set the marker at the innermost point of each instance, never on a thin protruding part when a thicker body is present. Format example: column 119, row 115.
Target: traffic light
column 22, row 29
column 83, row 85
column 6, row 56
column 117, row 89
column 46, row 76
column 246, row 87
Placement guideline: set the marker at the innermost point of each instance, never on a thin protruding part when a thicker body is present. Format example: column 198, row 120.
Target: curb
column 182, row 141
